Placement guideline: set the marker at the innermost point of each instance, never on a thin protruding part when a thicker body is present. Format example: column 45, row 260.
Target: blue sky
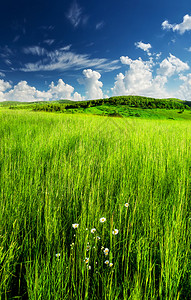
column 92, row 49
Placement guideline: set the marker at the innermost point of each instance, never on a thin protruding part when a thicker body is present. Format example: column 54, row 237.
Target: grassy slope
column 124, row 111
column 59, row 169
column 113, row 108
column 18, row 103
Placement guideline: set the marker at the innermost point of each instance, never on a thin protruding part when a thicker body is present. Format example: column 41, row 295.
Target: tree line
column 130, row 101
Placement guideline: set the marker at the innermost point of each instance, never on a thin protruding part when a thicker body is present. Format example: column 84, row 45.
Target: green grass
column 61, row 169
column 126, row 111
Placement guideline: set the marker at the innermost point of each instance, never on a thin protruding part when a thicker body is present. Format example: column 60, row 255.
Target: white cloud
column 35, row 50
column 99, row 25
column 66, row 48
column 61, row 90
column 25, row 93
column 75, row 15
column 171, row 65
column 78, row 97
column 181, row 28
column 4, row 85
column 92, row 84
column 2, row 74
column 17, row 37
column 139, row 80
column 62, row 59
column 49, row 41
column 184, row 91
column 119, row 86
column 8, row 62
column 144, row 47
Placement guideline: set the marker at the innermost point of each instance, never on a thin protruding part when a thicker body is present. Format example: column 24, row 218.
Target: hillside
column 119, row 106
column 18, row 103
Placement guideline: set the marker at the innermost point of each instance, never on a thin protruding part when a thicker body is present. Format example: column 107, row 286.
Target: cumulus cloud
column 61, row 90
column 119, row 86
column 171, row 65
column 180, row 28
column 92, row 84
column 184, row 91
column 144, row 47
column 139, row 79
column 4, row 85
column 26, row 93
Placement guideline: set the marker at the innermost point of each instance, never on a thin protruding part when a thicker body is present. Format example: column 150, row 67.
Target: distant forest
column 130, row 101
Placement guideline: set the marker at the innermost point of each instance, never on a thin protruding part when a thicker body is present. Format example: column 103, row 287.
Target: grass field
column 59, row 169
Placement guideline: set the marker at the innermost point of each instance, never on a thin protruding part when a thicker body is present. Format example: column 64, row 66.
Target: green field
column 60, row 169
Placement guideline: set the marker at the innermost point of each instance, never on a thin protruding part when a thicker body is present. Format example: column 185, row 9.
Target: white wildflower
column 75, row 225
column 115, row 231
column 102, row 220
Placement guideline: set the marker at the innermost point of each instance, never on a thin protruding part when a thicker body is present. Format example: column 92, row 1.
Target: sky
column 92, row 49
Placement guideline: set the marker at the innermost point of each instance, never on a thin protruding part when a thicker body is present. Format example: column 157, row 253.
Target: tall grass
column 57, row 170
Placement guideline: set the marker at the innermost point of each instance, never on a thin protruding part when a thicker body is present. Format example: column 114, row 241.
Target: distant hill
column 130, row 101
column 117, row 106
column 14, row 103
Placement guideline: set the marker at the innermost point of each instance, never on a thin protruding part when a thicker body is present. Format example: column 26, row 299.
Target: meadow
column 94, row 207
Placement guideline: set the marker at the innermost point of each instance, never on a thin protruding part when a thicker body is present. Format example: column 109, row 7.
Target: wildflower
column 57, row 254
column 106, row 262
column 88, row 248
column 115, row 231
column 89, row 267
column 126, row 204
column 111, row 265
column 98, row 237
column 93, row 230
column 75, row 225
column 102, row 220
column 86, row 260
column 106, row 251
